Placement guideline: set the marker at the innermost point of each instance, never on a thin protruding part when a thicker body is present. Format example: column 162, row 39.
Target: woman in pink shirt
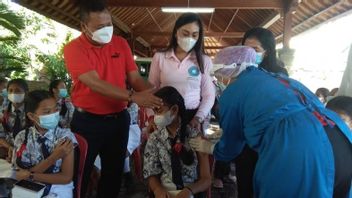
column 185, row 66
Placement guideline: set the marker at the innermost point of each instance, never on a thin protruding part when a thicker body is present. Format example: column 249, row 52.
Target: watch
column 198, row 119
column 130, row 93
column 31, row 176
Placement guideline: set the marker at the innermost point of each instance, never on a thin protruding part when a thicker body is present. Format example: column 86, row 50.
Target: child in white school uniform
column 170, row 165
column 59, row 91
column 13, row 116
column 44, row 151
column 134, row 140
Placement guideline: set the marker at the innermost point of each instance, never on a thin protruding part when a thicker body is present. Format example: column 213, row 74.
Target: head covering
column 234, row 59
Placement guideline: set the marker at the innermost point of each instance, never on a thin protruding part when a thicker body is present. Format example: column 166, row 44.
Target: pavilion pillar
column 286, row 54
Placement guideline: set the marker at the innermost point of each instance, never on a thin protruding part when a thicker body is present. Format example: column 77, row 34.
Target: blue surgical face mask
column 49, row 121
column 16, row 98
column 4, row 93
column 259, row 57
column 63, row 93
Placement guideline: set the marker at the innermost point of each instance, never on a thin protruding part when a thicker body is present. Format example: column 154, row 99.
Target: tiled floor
column 140, row 191
column 229, row 191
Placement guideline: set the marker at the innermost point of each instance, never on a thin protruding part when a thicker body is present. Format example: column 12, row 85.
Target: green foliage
column 10, row 20
column 17, row 56
column 54, row 65
column 12, row 57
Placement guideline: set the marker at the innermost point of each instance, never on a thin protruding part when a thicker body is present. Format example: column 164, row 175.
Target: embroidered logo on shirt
column 193, row 71
column 115, row 55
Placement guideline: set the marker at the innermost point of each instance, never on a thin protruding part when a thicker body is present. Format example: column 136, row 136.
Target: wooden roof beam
column 205, row 47
column 312, row 17
column 156, row 23
column 229, row 24
column 220, row 4
column 210, row 21
column 275, row 16
column 289, row 7
column 208, row 34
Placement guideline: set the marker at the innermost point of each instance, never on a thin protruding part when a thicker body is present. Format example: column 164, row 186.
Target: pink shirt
column 196, row 88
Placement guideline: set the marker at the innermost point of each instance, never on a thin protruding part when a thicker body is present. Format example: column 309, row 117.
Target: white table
column 6, row 170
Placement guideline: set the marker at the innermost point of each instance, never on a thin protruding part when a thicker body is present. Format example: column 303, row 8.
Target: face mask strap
column 87, row 30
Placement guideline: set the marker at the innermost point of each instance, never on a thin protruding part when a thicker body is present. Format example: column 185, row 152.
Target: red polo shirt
column 112, row 62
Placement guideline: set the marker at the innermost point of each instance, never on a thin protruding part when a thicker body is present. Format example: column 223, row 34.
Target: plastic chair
column 83, row 148
column 137, row 160
column 211, row 165
column 142, row 117
column 136, row 155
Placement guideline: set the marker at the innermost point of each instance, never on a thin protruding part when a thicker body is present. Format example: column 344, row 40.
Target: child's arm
column 156, row 187
column 60, row 152
column 62, row 177
column 204, row 181
column 4, row 144
column 8, row 147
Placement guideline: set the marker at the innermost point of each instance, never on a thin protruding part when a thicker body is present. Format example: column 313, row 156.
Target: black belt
column 111, row 115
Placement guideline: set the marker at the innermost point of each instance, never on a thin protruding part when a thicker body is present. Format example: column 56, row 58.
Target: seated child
column 322, row 93
column 13, row 116
column 343, row 106
column 170, row 165
column 59, row 91
column 44, row 151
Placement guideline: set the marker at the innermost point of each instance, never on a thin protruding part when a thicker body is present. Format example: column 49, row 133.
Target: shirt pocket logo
column 193, row 71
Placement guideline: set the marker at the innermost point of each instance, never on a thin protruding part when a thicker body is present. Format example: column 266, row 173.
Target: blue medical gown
column 295, row 155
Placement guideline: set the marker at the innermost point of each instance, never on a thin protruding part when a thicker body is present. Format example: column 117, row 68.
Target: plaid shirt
column 157, row 158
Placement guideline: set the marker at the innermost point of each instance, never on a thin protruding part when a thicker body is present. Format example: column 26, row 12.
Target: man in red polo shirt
column 99, row 64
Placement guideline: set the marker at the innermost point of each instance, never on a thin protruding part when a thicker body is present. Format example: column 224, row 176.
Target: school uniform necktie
column 17, row 125
column 46, row 153
column 176, row 166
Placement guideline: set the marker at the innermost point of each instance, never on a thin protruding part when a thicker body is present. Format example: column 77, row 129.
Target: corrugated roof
column 224, row 27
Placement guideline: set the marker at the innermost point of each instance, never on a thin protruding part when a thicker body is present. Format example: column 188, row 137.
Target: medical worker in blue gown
column 304, row 150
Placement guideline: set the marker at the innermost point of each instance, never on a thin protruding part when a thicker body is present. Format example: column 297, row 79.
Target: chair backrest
column 137, row 161
column 211, row 166
column 142, row 117
column 83, row 148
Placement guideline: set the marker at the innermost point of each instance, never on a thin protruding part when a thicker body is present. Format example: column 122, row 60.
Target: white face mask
column 103, row 35
column 16, row 98
column 186, row 43
column 259, row 57
column 161, row 121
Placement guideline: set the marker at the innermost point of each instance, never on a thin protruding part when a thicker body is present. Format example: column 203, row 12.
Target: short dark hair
column 322, row 91
column 185, row 19
column 86, row 7
column 3, row 80
column 341, row 104
column 32, row 101
column 334, row 91
column 34, row 98
column 20, row 82
column 171, row 97
column 54, row 84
